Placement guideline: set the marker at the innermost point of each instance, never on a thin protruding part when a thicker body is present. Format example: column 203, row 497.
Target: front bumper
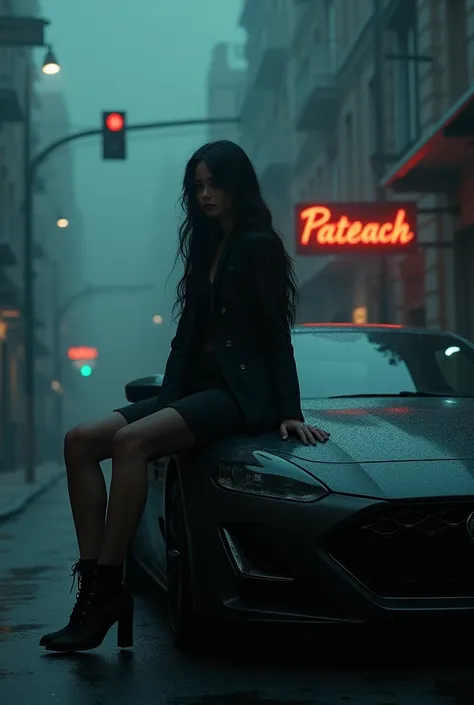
column 259, row 559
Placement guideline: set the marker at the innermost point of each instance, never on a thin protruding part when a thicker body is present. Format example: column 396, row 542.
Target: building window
column 457, row 41
column 334, row 176
column 372, row 133
column 406, row 79
column 332, row 36
column 349, row 140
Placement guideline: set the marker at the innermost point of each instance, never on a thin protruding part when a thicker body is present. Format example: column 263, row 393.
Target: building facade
column 225, row 88
column 19, row 78
column 58, row 270
column 378, row 96
column 17, row 75
column 266, row 107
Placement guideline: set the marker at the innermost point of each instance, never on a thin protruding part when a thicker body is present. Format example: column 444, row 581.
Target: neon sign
column 340, row 228
column 82, row 354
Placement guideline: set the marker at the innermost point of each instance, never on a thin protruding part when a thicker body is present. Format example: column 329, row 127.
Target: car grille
column 410, row 550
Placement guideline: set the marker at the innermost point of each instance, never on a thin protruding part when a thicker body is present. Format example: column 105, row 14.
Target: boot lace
column 81, row 594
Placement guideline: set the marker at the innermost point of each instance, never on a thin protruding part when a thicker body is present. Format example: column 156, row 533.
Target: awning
column 435, row 163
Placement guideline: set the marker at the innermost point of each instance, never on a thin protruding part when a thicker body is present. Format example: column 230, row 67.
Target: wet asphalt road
column 284, row 667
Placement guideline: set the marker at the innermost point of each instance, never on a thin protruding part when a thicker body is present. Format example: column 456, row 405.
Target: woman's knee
column 128, row 442
column 94, row 440
column 78, row 441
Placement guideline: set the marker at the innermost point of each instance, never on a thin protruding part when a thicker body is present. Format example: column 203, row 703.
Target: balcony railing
column 272, row 159
column 316, row 94
column 268, row 53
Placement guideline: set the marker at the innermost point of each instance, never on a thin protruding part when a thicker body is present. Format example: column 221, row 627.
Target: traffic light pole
column 31, row 166
column 59, row 314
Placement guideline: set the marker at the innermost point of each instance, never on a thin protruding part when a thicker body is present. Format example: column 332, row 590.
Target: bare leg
column 163, row 433
column 84, row 448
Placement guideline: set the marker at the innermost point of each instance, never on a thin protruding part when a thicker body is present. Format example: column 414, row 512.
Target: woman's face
column 213, row 201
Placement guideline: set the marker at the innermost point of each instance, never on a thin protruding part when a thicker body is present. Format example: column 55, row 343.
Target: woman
column 231, row 368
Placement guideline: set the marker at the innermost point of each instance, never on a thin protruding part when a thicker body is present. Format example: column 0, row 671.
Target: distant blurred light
column 452, row 350
column 86, row 370
column 62, row 223
column 157, row 319
column 359, row 315
column 50, row 64
column 56, row 386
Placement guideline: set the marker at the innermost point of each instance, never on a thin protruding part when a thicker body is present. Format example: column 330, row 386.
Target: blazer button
column 243, row 367
column 229, row 343
column 223, row 311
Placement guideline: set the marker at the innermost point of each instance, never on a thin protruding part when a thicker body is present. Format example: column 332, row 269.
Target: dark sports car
column 375, row 524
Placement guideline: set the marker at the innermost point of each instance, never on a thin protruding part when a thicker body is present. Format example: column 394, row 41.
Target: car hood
column 390, row 447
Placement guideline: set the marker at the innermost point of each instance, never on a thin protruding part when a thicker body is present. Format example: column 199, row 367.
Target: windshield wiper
column 400, row 394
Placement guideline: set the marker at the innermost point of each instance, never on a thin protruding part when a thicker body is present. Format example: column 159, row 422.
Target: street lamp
column 62, row 223
column 157, row 320
column 50, row 67
column 50, row 64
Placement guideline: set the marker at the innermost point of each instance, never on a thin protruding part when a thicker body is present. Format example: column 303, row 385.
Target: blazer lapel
column 225, row 252
column 223, row 259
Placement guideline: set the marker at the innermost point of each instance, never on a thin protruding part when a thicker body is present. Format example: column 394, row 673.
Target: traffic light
column 83, row 359
column 114, row 130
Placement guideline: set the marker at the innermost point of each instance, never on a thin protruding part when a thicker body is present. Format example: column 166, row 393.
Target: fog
column 149, row 58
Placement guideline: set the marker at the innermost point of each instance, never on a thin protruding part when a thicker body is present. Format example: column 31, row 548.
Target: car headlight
column 271, row 477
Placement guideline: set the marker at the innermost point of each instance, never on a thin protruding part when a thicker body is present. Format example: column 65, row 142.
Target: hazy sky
column 150, row 58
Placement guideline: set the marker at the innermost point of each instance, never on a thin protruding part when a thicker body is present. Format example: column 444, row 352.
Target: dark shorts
column 209, row 409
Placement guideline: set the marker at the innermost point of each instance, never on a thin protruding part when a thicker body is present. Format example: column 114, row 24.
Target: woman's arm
column 267, row 285
column 176, row 365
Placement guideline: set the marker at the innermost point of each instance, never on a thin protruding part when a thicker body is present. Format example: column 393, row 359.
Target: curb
column 22, row 503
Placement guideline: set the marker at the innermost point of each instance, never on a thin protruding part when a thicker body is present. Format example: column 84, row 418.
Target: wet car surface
column 274, row 666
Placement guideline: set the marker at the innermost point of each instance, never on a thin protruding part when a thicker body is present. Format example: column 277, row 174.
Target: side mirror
column 143, row 388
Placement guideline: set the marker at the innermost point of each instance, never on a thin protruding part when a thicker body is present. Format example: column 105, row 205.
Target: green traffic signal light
column 86, row 370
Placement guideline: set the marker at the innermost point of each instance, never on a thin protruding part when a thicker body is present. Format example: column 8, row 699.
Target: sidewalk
column 16, row 494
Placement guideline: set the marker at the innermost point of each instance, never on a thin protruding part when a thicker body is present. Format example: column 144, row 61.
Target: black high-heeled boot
column 107, row 603
column 83, row 571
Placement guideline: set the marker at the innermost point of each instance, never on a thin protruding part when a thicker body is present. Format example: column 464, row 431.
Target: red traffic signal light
column 115, row 122
column 113, row 135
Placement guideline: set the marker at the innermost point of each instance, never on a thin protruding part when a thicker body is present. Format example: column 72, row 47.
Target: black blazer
column 252, row 339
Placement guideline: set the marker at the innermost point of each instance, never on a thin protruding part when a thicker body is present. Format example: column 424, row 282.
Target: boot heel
column 125, row 630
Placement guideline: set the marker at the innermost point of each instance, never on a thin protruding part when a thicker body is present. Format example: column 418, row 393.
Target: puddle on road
column 28, row 572
column 16, row 628
column 244, row 698
column 19, row 585
column 461, row 692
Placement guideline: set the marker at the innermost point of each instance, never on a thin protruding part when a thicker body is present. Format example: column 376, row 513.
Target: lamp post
column 50, row 66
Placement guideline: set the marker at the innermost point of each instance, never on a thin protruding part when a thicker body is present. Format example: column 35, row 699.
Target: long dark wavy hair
column 232, row 171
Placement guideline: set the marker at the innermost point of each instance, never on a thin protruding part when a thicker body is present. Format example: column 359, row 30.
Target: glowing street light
column 50, row 64
column 158, row 320
column 62, row 223
column 56, row 386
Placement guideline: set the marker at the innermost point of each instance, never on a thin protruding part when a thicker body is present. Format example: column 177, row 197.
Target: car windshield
column 366, row 363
